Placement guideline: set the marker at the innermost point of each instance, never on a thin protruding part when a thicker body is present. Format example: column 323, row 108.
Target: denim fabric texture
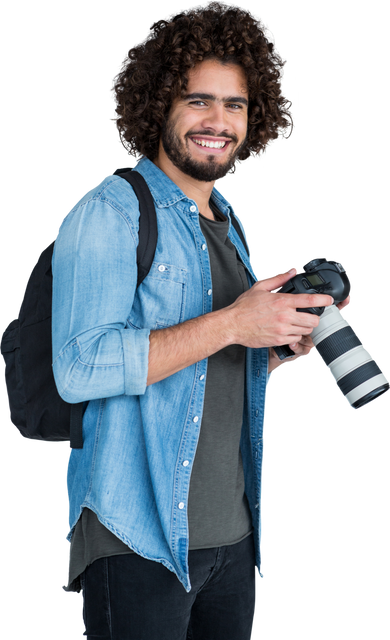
column 130, row 471
column 130, row 598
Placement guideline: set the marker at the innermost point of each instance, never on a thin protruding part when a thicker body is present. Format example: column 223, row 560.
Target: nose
column 215, row 123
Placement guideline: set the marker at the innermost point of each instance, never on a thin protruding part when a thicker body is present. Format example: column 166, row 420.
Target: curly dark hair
column 155, row 73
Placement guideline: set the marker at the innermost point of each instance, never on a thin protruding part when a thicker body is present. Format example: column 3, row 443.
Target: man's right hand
column 258, row 318
column 261, row 318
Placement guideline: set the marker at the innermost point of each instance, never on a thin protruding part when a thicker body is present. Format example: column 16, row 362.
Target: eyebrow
column 210, row 96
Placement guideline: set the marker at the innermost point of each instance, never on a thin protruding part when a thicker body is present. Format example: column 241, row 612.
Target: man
column 165, row 494
column 194, row 168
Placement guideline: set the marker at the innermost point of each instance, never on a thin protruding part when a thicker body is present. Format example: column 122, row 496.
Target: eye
column 234, row 106
column 198, row 103
column 230, row 105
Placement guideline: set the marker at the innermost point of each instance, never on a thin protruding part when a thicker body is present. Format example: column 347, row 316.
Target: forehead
column 222, row 79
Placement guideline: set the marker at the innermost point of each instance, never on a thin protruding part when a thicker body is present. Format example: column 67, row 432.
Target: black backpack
column 37, row 409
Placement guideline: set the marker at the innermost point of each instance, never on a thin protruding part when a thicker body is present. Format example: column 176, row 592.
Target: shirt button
column 204, row 247
column 161, row 267
column 210, row 291
column 192, row 208
column 181, row 505
column 186, row 463
column 195, row 419
column 201, row 377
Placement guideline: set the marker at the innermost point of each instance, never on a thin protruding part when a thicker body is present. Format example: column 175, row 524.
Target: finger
column 303, row 347
column 279, row 278
column 308, row 300
column 344, row 303
column 301, row 351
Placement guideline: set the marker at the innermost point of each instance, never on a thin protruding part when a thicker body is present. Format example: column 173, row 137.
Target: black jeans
column 129, row 598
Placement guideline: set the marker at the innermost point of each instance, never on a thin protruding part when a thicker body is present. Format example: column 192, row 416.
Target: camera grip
column 284, row 352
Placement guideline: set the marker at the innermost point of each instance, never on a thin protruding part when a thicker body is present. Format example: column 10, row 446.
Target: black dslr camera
column 356, row 373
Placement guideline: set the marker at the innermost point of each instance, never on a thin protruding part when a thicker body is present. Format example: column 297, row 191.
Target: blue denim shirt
column 130, row 471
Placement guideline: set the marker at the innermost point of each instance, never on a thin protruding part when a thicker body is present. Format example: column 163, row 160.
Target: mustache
column 230, row 136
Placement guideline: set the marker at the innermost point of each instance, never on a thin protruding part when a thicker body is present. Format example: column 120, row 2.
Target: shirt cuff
column 136, row 360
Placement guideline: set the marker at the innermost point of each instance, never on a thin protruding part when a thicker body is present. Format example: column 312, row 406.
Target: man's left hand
column 301, row 348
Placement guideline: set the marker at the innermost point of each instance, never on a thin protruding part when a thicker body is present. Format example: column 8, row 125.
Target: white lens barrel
column 356, row 373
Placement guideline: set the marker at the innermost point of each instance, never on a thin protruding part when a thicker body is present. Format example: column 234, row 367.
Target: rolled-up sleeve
column 96, row 352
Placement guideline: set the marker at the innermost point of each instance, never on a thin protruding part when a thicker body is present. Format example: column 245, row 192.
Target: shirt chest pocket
column 160, row 299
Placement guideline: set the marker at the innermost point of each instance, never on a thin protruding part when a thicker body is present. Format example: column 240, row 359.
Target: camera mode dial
column 313, row 263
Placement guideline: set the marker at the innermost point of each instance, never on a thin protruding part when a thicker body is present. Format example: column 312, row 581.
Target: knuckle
column 279, row 330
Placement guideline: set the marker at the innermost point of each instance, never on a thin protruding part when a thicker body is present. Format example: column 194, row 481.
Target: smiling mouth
column 211, row 144
column 211, row 149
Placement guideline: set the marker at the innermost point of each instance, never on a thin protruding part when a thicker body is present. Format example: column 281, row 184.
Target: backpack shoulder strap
column 148, row 232
column 237, row 227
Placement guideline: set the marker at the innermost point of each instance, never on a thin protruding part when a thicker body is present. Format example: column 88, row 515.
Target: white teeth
column 210, row 144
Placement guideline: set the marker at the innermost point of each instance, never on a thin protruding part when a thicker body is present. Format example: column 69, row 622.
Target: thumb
column 277, row 281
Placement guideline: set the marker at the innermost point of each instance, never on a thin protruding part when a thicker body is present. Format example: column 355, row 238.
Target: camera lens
column 356, row 373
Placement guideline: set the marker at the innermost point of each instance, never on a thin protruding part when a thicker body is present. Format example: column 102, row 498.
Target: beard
column 209, row 169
